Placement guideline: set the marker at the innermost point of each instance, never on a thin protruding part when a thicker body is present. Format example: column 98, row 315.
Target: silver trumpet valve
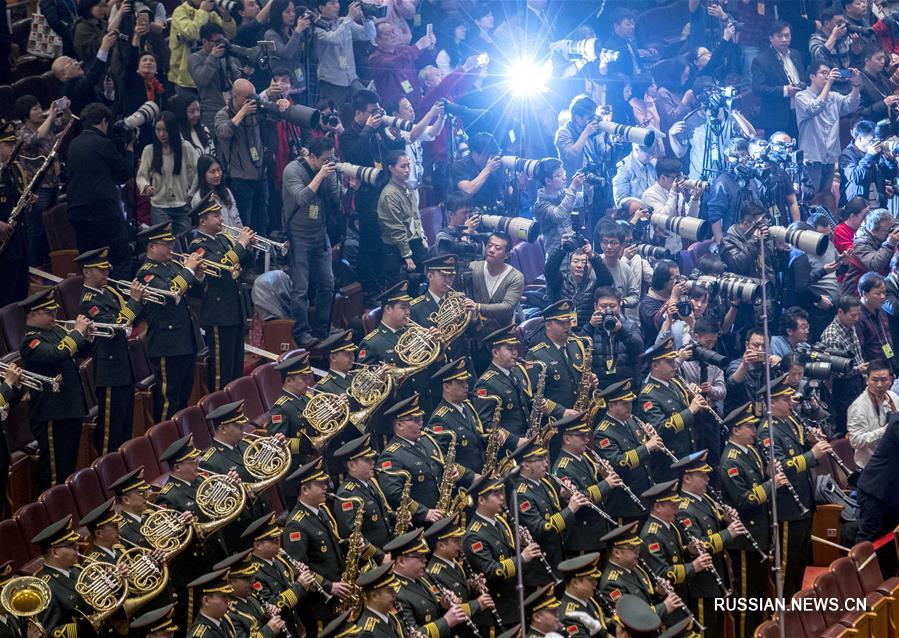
column 34, row 380
column 262, row 244
column 151, row 295
column 101, row 330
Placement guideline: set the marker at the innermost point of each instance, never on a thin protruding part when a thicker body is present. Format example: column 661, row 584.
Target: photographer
column 776, row 79
column 96, row 166
column 794, row 324
column 877, row 90
column 680, row 318
column 667, row 196
column 334, row 39
column 290, row 34
column 311, row 194
column 830, row 45
column 740, row 246
column 617, row 344
column 579, row 141
column 811, row 281
column 240, row 147
column 401, row 231
column 480, row 174
column 425, row 130
column 634, row 174
column 584, row 274
column 392, row 63
column 213, row 71
column 698, row 369
column 874, row 245
column 555, row 202
column 80, row 84
column 865, row 167
column 461, row 225
column 891, row 303
column 873, row 327
column 746, row 375
column 841, row 336
column 866, row 421
column 858, row 24
column 664, row 291
column 187, row 18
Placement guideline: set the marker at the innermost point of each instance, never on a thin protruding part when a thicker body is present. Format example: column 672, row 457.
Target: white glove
column 592, row 625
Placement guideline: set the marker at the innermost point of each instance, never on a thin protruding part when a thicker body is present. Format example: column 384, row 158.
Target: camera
column 231, row 6
column 684, row 307
column 736, row 24
column 835, row 362
column 691, row 228
column 520, row 165
column 608, row 321
column 332, row 120
column 809, row 241
column 124, row 131
column 633, row 134
column 746, row 170
column 745, row 289
column 695, row 183
column 457, row 110
column 717, row 97
column 517, row 227
column 852, row 28
column 370, row 175
column 706, row 355
column 296, row 114
column 656, row 252
column 466, row 251
column 373, row 11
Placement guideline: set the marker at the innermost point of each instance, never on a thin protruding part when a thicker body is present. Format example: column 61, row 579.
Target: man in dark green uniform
column 340, row 627
column 222, row 316
column 489, row 546
column 286, row 417
column 748, row 489
column 311, row 537
column 213, row 593
column 456, row 413
column 620, row 441
column 55, row 416
column 581, row 610
column 378, row 346
column 418, row 599
column 575, row 464
column 561, row 352
column 636, row 619
column 341, row 353
column 541, row 511
column 665, row 404
column 541, row 610
column 379, row 618
column 624, row 574
column 155, row 624
column 797, row 456
column 65, row 616
column 173, row 338
column 360, row 483
column 251, row 617
column 14, row 254
column 113, row 377
column 414, row 455
column 102, row 524
column 131, row 494
column 446, row 571
column 515, row 383
column 699, row 516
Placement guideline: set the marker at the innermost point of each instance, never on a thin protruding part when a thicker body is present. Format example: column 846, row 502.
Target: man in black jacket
column 80, row 84
column 878, row 500
column 617, row 343
column 96, row 166
column 585, row 273
column 776, row 79
column 877, row 97
column 865, row 167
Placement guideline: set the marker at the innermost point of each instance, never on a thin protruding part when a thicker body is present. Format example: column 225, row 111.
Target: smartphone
column 143, row 19
column 845, row 74
column 430, row 29
column 62, row 103
column 483, row 59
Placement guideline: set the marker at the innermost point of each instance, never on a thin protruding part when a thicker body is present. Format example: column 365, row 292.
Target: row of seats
column 858, row 577
column 89, row 486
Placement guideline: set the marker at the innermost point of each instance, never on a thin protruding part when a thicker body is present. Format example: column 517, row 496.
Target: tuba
column 221, row 500
column 146, row 577
column 103, row 588
column 165, row 530
column 266, row 460
column 26, row 597
column 451, row 317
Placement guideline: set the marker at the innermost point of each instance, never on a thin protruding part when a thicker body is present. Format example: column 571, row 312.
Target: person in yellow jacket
column 187, row 18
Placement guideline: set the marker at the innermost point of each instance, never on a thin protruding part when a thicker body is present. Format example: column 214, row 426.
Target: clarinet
column 566, row 484
column 611, row 473
column 650, row 432
column 819, row 435
column 413, row 630
column 302, row 568
column 524, row 534
column 452, row 599
column 792, row 490
column 272, row 610
column 692, row 391
column 699, row 547
column 480, row 582
column 731, row 512
column 665, row 586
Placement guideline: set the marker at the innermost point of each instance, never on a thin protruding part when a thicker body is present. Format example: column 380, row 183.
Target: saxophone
column 404, row 508
column 585, row 389
column 538, row 404
column 353, row 602
column 494, row 438
column 445, row 493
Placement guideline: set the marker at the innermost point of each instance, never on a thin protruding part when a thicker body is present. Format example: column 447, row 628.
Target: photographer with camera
column 873, row 327
column 705, row 365
column 680, row 317
column 866, row 421
column 866, row 167
column 213, row 71
column 831, row 43
column 841, row 336
column 668, row 196
column 289, row 30
column 554, row 201
column 239, row 138
column 634, row 174
column 746, row 376
column 479, row 175
column 80, row 84
column 873, row 247
column 424, row 130
column 664, row 290
column 810, row 280
column 740, row 246
column 187, row 18
column 878, row 97
column 617, row 344
column 579, row 141
column 392, row 63
column 858, row 24
column 97, row 165
column 459, row 236
column 334, row 37
column 794, row 325
column 584, row 273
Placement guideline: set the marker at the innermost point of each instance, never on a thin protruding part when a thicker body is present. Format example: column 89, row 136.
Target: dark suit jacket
column 879, row 476
column 768, row 81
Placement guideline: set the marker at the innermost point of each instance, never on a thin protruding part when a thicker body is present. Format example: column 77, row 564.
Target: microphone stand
column 519, row 563
column 775, row 525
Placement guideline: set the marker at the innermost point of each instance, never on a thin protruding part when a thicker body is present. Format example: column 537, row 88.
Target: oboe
column 452, row 599
column 480, row 583
column 665, row 586
column 650, row 431
column 611, row 474
column 566, row 484
column 732, row 514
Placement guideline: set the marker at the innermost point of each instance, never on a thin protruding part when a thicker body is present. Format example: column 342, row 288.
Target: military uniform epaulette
column 522, row 488
column 370, row 624
column 488, row 375
column 146, row 266
column 166, row 488
column 435, row 569
column 349, row 486
column 612, row 574
column 538, row 347
column 324, row 379
column 282, row 399
column 648, row 387
column 563, row 462
column 87, row 296
column 417, row 300
column 653, row 528
column 393, row 447
column 198, row 631
column 208, row 454
column 604, row 425
column 370, row 335
column 475, row 526
column 442, row 411
column 298, row 516
column 684, row 504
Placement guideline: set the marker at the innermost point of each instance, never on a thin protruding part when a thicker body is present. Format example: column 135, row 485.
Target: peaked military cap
column 56, row 534
column 406, row 408
column 503, row 335
column 215, row 582
column 294, row 365
column 624, row 535
column 562, row 310
column 455, row 369
column 484, row 485
column 98, row 258
column 574, row 424
column 636, row 614
column 441, row 263
column 740, row 416
column 677, row 629
column 695, row 462
column 8, row 131
column 543, row 598
column 338, row 342
column 159, row 232
column 340, row 627
column 312, row 471
column 409, row 543
column 231, row 561
column 660, row 492
column 156, row 621
column 779, row 388
column 447, row 527
column 228, row 413
column 246, row 567
column 206, row 206
column 662, row 350
column 180, row 451
column 619, row 391
column 355, row 449
column 262, row 528
column 133, row 480
column 395, row 294
column 103, row 514
column 529, row 449
column 377, row 577
column 42, row 300
column 583, row 566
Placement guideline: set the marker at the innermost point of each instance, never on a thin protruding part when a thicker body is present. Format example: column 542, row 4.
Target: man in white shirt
column 868, row 415
column 623, row 275
column 665, row 197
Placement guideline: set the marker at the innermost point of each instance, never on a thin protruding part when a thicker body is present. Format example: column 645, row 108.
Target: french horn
column 451, row 317
column 26, row 597
column 417, row 347
column 166, row 530
column 267, row 460
column 103, row 588
column 221, row 500
column 328, row 414
column 146, row 577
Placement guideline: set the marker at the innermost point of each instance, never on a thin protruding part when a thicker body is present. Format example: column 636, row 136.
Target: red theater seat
column 109, row 468
column 69, row 293
column 12, row 545
column 212, row 401
column 32, row 519
column 268, row 383
column 139, row 451
column 12, row 325
column 245, row 388
column 846, row 574
column 86, row 490
column 191, row 420
column 59, row 503
column 162, row 435
column 371, row 319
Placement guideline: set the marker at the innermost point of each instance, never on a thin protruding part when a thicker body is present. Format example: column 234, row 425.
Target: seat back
column 431, row 222
column 7, row 102
column 847, row 578
column 870, row 577
column 140, row 362
column 212, row 401
column 32, row 519
column 245, row 388
column 529, row 331
column 59, row 502
column 33, row 85
column 277, row 335
column 12, row 326
column 161, row 436
column 812, row 620
column 69, row 292
column 826, row 524
column 268, row 383
column 109, row 468
column 192, row 420
column 826, row 587
column 768, row 629
column 13, row 546
column 86, row 489
column 139, row 451
column 354, row 305
column 371, row 319
column 529, row 259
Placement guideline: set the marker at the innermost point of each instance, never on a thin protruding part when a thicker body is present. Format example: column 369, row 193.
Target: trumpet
column 35, row 381
column 262, row 244
column 151, row 295
column 102, row 330
column 211, row 268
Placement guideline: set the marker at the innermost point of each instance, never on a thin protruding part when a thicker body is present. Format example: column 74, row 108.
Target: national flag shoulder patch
column 148, row 278
column 294, row 536
column 34, row 343
column 647, row 405
column 688, row 522
column 604, row 443
column 482, row 392
column 257, row 586
column 437, row 428
column 362, row 353
column 654, row 547
column 766, row 442
column 346, row 506
column 386, row 465
column 525, row 506
column 615, row 594
column 200, row 251
column 94, row 311
column 476, row 547
column 277, row 418
column 733, row 471
column 571, row 629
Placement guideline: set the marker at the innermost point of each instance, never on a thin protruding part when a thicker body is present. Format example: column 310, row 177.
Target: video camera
column 374, row 11
column 717, row 97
